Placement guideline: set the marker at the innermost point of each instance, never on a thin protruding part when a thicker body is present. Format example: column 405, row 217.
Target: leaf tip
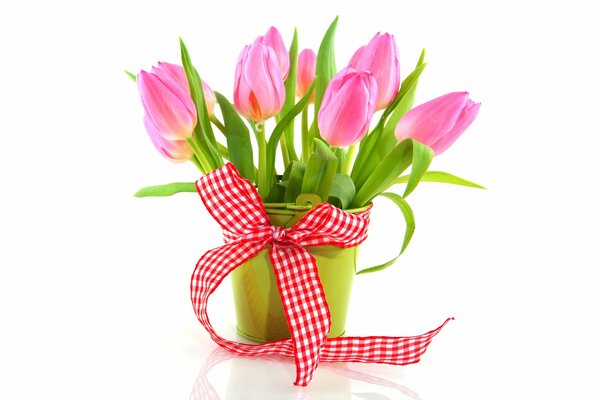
column 130, row 75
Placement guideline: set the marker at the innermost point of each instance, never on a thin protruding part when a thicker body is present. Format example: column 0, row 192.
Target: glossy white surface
column 94, row 283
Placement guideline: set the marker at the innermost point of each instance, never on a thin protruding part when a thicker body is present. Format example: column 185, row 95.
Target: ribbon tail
column 379, row 349
column 304, row 304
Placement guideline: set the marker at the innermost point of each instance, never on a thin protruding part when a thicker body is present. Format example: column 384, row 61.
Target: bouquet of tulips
column 357, row 131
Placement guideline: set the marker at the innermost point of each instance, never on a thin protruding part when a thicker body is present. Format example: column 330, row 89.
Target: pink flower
column 259, row 91
column 380, row 57
column 348, row 106
column 307, row 66
column 167, row 102
column 174, row 150
column 439, row 122
column 274, row 40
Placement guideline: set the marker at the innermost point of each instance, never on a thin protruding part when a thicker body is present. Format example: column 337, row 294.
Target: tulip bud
column 181, row 85
column 307, row 66
column 347, row 107
column 274, row 40
column 380, row 57
column 167, row 101
column 439, row 122
column 259, row 91
column 174, row 150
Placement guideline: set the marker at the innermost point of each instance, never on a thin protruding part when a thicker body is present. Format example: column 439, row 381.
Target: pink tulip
column 174, row 150
column 307, row 66
column 347, row 107
column 439, row 122
column 167, row 102
column 274, row 40
column 259, row 91
column 380, row 57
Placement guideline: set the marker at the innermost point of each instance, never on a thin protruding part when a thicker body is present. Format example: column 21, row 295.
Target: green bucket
column 259, row 312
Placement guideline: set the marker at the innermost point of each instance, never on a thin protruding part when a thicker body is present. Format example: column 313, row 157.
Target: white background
column 94, row 282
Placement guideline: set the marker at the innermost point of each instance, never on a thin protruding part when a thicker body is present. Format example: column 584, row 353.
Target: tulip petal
column 259, row 91
column 356, row 57
column 347, row 108
column 241, row 91
column 307, row 67
column 173, row 77
column 168, row 112
column 176, row 73
column 428, row 122
column 274, row 40
column 173, row 150
column 180, row 86
column 380, row 57
column 465, row 119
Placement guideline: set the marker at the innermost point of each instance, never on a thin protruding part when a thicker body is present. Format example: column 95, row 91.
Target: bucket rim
column 293, row 208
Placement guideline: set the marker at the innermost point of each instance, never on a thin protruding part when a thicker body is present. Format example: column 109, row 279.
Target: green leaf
column 440, row 177
column 380, row 142
column 409, row 82
column 278, row 131
column 408, row 92
column 363, row 165
column 340, row 153
column 277, row 192
column 396, row 162
column 203, row 132
column 421, row 58
column 421, row 159
column 131, row 75
column 325, row 69
column 238, row 138
column 320, row 171
column 408, row 233
column 342, row 191
column 290, row 97
column 223, row 151
column 168, row 189
column 293, row 176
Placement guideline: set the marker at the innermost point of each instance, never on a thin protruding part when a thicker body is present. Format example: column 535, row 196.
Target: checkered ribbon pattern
column 235, row 204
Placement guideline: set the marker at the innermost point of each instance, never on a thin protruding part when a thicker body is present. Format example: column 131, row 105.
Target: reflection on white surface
column 271, row 377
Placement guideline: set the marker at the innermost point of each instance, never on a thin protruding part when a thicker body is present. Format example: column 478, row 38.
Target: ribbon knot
column 278, row 234
column 234, row 203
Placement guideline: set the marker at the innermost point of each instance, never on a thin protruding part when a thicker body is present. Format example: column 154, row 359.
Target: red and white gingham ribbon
column 236, row 206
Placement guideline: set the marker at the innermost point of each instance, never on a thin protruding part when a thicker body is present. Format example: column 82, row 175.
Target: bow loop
column 232, row 201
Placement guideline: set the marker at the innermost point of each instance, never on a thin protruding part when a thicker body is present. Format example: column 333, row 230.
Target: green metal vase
column 259, row 312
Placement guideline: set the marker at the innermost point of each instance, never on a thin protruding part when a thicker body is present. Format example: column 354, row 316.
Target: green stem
column 340, row 153
column 253, row 126
column 204, row 163
column 347, row 167
column 219, row 125
column 223, row 151
column 366, row 147
column 263, row 188
column 194, row 159
column 284, row 150
column 305, row 138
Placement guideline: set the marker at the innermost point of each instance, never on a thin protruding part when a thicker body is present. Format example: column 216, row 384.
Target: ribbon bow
column 234, row 203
